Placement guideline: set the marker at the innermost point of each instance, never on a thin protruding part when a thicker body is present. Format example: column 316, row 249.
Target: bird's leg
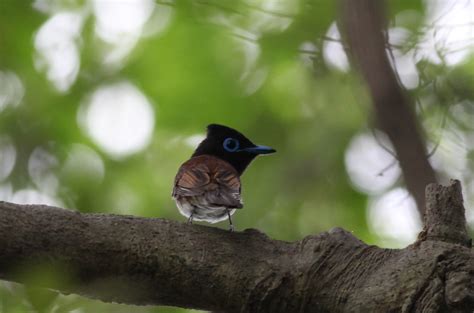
column 231, row 226
column 190, row 218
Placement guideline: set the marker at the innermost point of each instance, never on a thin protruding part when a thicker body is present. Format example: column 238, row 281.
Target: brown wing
column 210, row 177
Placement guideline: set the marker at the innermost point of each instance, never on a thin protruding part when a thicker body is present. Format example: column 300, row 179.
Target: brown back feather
column 211, row 177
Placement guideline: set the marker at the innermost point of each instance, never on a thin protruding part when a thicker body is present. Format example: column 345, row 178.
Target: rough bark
column 147, row 261
column 364, row 23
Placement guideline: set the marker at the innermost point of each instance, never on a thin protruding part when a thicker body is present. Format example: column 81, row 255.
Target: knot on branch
column 444, row 218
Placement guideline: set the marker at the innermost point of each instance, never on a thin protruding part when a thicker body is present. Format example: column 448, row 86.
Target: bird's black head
column 230, row 145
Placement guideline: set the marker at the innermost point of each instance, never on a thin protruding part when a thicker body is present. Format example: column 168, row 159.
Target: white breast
column 201, row 210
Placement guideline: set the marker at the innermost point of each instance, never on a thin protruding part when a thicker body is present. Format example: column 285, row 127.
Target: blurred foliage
column 262, row 67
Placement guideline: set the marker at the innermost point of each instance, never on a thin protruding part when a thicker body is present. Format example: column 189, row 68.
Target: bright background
column 102, row 100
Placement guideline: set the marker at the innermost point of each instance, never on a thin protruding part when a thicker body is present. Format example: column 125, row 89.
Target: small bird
column 207, row 186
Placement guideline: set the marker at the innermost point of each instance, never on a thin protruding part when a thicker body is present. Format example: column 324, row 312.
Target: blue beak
column 259, row 150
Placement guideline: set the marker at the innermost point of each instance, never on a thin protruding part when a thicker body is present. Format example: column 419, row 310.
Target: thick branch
column 363, row 22
column 154, row 261
column 136, row 260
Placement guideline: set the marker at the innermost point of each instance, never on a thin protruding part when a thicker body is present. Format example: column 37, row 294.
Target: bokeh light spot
column 6, row 192
column 116, row 19
column 264, row 15
column 41, row 167
column 119, row 119
column 121, row 24
column 252, row 76
column 394, row 218
column 450, row 157
column 403, row 62
column 370, row 167
column 57, row 50
column 194, row 140
column 7, row 157
column 11, row 90
column 84, row 164
column 33, row 196
column 451, row 35
column 333, row 51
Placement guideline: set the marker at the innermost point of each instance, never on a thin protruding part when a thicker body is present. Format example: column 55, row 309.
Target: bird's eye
column 231, row 144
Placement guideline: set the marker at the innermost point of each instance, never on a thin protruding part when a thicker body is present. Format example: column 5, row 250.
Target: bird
column 207, row 187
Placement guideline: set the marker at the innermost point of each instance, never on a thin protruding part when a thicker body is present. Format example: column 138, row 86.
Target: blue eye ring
column 231, row 144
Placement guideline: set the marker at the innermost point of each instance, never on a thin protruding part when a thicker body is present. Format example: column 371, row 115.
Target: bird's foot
column 231, row 225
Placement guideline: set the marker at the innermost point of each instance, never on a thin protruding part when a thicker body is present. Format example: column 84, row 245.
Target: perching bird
column 207, row 186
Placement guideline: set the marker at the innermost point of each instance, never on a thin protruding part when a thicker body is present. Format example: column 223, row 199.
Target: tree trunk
column 364, row 28
column 147, row 261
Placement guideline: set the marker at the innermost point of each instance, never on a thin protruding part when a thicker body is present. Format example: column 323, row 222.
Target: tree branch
column 445, row 216
column 363, row 22
column 146, row 261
